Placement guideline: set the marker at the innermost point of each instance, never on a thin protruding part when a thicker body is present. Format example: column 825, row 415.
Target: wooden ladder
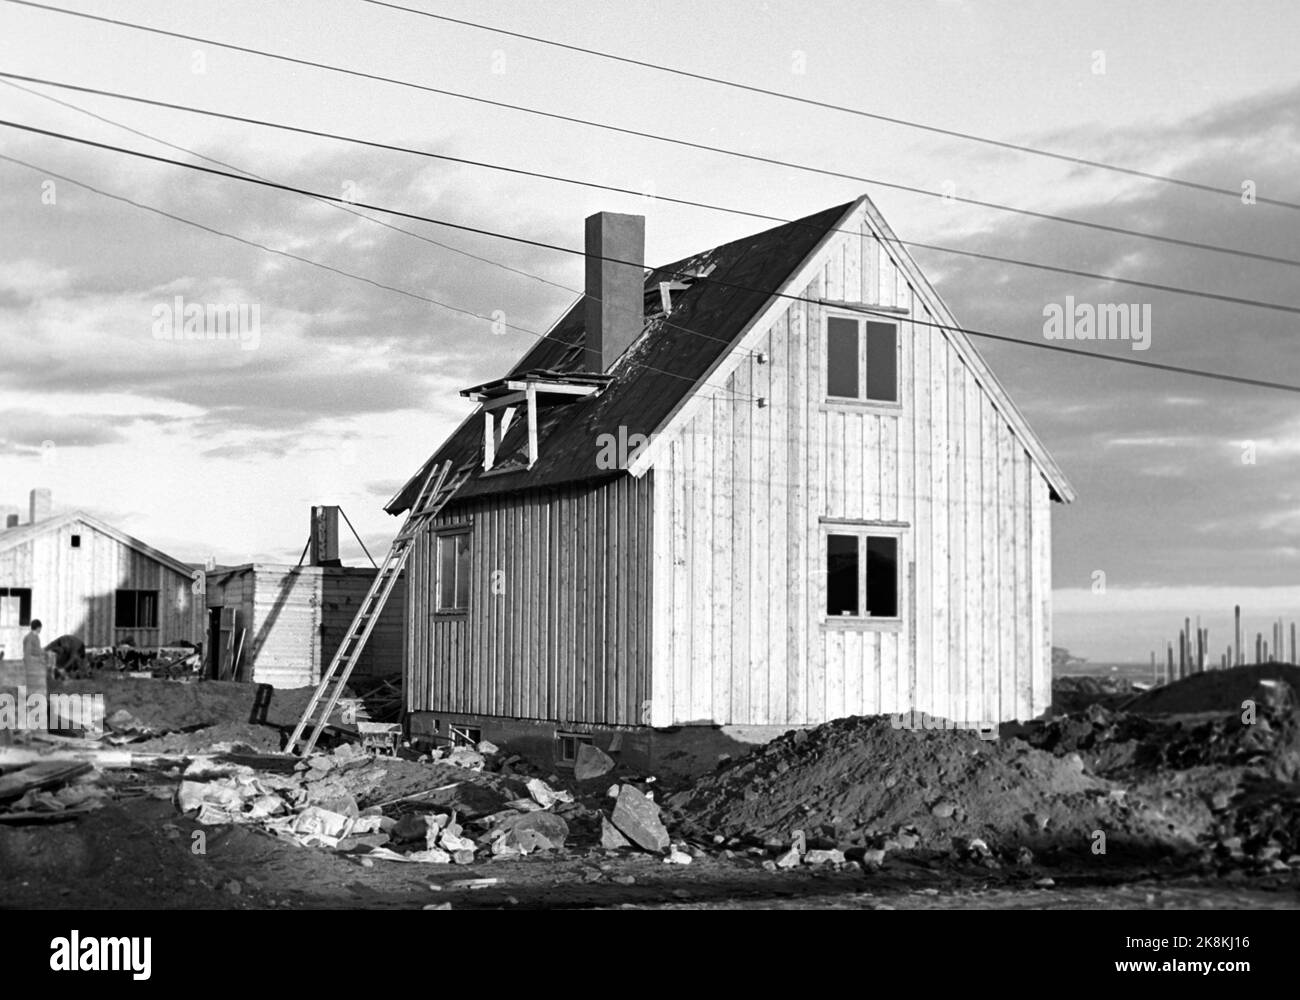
column 439, row 486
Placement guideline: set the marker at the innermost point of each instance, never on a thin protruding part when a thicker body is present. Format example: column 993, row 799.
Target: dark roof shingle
column 650, row 379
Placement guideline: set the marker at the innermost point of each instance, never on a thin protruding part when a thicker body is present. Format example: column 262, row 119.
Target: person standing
column 34, row 670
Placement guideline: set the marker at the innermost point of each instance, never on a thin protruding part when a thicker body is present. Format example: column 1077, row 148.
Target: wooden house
column 760, row 488
column 80, row 576
column 280, row 624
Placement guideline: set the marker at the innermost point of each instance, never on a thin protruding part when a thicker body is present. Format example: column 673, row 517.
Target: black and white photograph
column 758, row 455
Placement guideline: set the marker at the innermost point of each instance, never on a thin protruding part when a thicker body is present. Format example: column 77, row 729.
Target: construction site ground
column 1199, row 810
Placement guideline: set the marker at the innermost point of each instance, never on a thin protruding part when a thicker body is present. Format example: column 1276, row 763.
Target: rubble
column 637, row 817
column 544, row 795
column 610, row 837
column 591, row 762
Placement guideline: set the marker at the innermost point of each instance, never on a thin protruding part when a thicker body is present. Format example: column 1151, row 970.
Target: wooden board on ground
column 40, row 775
column 44, row 816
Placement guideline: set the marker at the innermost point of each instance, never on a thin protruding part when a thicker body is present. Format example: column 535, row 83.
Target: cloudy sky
column 211, row 449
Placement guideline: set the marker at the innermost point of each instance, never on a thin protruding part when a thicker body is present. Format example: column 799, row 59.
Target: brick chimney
column 324, row 548
column 615, row 291
column 40, row 503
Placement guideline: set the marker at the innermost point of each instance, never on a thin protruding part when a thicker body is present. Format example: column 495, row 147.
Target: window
column 861, row 359
column 453, row 572
column 76, row 541
column 15, row 606
column 569, row 743
column 861, row 575
column 464, row 736
column 136, row 609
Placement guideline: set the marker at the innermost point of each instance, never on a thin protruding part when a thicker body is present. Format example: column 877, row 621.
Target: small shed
column 280, row 625
column 81, row 576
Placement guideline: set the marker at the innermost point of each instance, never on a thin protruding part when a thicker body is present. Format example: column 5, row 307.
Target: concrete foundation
column 676, row 751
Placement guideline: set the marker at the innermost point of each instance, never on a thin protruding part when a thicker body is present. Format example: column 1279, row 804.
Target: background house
column 81, row 576
column 280, row 624
column 767, row 486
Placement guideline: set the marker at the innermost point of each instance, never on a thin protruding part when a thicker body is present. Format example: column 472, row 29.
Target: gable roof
column 13, row 537
column 654, row 383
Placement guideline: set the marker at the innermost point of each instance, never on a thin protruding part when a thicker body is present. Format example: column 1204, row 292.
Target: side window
column 453, row 572
column 15, row 606
column 135, row 609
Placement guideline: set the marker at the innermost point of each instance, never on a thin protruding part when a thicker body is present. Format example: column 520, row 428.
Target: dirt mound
column 1125, row 743
column 854, row 780
column 1073, row 693
column 1216, row 690
column 173, row 706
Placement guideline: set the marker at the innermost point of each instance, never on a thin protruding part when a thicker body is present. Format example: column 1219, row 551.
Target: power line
column 318, row 264
column 860, row 112
column 952, row 198
column 341, row 206
column 774, row 293
column 222, row 163
column 560, row 178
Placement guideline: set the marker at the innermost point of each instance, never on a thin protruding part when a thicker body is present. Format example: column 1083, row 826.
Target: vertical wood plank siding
column 740, row 497
column 558, row 625
column 73, row 589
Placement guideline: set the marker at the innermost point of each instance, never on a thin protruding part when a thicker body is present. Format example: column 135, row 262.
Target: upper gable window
column 861, row 359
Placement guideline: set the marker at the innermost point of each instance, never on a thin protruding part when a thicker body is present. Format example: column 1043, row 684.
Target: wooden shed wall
column 568, row 636
column 743, row 496
column 74, row 589
column 297, row 616
column 343, row 590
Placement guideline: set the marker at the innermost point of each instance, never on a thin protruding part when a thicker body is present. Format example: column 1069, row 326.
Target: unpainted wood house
column 81, row 576
column 763, row 487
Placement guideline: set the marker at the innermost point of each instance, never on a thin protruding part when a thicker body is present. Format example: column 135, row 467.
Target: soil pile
column 856, row 780
column 1075, row 693
column 1219, row 690
column 170, row 706
column 1114, row 744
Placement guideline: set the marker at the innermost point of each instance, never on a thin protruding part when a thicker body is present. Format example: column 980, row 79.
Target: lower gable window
column 15, row 606
column 861, row 575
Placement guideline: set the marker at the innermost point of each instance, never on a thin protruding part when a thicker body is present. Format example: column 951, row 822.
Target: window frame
column 451, row 534
column 135, row 607
column 861, row 401
column 578, row 739
column 461, row 734
column 24, row 597
column 863, row 530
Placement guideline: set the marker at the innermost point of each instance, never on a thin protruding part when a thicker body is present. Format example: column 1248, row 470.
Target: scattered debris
column 591, row 762
column 637, row 818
